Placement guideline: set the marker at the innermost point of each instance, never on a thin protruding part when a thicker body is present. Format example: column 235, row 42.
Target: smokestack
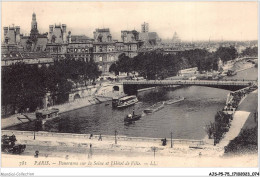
column 5, row 31
column 17, row 30
column 64, row 28
column 51, row 28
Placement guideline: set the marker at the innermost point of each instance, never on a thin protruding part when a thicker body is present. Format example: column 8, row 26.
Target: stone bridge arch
column 77, row 96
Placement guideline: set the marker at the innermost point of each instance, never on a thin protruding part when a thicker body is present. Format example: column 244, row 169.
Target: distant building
column 145, row 27
column 149, row 38
column 176, row 39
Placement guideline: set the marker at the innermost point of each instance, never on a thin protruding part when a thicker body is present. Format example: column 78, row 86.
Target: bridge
column 131, row 87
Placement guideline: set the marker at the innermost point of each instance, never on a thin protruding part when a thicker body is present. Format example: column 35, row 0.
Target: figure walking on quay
column 100, row 137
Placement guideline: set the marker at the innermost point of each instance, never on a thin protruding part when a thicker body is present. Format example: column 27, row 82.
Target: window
column 100, row 48
column 100, row 58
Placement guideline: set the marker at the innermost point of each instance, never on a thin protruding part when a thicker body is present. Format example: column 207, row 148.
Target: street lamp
column 171, row 139
column 115, row 137
column 154, row 149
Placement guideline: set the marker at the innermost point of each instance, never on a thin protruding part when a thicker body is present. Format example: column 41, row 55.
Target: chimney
column 17, row 30
column 69, row 37
column 51, row 28
column 5, row 31
column 64, row 28
column 17, row 34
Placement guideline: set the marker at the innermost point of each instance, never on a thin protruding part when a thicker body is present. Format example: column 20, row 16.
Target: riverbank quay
column 66, row 107
column 62, row 148
column 247, row 107
column 247, row 140
column 95, row 98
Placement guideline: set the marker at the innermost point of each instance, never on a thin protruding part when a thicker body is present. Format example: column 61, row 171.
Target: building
column 57, row 41
column 79, row 47
column 131, row 43
column 149, row 38
column 145, row 28
column 104, row 49
column 35, row 42
column 32, row 58
column 11, row 40
column 176, row 39
column 61, row 44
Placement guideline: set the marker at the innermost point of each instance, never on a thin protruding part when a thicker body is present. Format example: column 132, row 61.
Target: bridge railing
column 193, row 82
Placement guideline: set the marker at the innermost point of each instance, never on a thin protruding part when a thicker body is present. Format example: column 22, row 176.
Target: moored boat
column 47, row 114
column 176, row 100
column 156, row 107
column 125, row 101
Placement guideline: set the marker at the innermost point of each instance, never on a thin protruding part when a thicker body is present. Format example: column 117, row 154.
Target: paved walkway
column 245, row 109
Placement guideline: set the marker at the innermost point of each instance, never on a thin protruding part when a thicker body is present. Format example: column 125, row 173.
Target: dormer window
column 109, row 38
column 100, row 38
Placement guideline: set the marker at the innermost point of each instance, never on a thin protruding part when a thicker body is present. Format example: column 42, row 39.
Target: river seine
column 186, row 119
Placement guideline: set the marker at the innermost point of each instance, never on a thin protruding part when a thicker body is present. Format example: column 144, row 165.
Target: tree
column 252, row 52
column 114, row 68
column 226, row 53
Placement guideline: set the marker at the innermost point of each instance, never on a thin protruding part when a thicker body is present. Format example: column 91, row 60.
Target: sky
column 191, row 20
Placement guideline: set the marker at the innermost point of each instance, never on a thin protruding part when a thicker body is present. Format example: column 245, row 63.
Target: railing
column 104, row 137
column 197, row 82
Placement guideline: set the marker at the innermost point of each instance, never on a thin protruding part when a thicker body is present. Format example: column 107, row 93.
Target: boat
column 124, row 101
column 154, row 108
column 47, row 114
column 131, row 118
column 176, row 100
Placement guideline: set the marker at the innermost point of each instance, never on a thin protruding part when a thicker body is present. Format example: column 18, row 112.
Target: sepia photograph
column 129, row 84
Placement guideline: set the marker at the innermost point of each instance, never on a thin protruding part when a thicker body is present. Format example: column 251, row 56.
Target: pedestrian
column 91, row 135
column 255, row 116
column 100, row 137
column 36, row 154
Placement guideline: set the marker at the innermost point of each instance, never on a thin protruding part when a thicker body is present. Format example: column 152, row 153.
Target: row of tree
column 250, row 51
column 24, row 86
column 157, row 64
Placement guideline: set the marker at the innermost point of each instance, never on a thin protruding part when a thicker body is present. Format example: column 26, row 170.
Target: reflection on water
column 185, row 119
